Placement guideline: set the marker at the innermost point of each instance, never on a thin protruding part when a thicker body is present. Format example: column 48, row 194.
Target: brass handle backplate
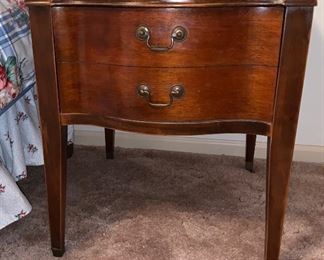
column 176, row 91
column 178, row 34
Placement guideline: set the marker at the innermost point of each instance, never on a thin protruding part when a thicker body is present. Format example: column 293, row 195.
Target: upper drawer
column 213, row 36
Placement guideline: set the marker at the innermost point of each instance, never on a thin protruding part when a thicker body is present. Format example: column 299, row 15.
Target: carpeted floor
column 154, row 205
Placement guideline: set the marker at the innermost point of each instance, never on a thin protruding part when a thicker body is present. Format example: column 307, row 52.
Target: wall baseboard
column 305, row 153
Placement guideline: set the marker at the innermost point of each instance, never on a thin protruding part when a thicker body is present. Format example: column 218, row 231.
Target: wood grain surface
column 281, row 143
column 215, row 93
column 173, row 3
column 53, row 133
column 242, row 68
column 216, row 36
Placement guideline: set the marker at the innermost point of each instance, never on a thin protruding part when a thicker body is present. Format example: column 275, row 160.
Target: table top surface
column 175, row 3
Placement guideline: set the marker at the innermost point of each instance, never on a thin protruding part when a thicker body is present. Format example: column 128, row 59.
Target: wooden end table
column 172, row 68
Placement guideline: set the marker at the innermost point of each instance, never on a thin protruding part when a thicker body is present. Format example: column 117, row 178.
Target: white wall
column 311, row 120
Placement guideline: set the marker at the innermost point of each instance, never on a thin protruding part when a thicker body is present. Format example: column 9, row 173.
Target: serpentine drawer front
column 172, row 67
column 213, row 36
column 220, row 92
column 102, row 61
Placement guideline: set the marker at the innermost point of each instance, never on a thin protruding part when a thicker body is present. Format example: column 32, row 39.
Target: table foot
column 58, row 252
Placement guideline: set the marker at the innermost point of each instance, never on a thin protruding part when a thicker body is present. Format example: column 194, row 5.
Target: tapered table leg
column 56, row 187
column 110, row 143
column 249, row 151
column 278, row 172
column 53, row 133
column 282, row 140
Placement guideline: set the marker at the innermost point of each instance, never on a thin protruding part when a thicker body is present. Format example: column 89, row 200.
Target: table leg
column 282, row 140
column 53, row 133
column 70, row 150
column 249, row 151
column 110, row 143
column 56, row 188
column 278, row 172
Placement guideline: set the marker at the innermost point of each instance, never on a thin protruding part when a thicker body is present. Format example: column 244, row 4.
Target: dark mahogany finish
column 281, row 142
column 53, row 132
column 110, row 143
column 249, row 151
column 222, row 92
column 172, row 3
column 241, row 66
column 215, row 36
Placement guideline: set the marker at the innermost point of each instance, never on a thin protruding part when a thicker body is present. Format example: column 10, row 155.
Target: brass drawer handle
column 178, row 35
column 176, row 91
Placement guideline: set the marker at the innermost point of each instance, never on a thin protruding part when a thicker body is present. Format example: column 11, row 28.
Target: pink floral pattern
column 20, row 141
column 9, row 81
column 21, row 214
column 2, row 188
column 20, row 3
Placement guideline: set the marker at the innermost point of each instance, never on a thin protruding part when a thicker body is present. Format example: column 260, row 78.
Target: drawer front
column 209, row 93
column 213, row 36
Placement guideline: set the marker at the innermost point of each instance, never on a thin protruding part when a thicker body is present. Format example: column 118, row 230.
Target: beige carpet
column 173, row 206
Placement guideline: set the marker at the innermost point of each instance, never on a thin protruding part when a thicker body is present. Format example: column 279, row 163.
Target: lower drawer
column 168, row 94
